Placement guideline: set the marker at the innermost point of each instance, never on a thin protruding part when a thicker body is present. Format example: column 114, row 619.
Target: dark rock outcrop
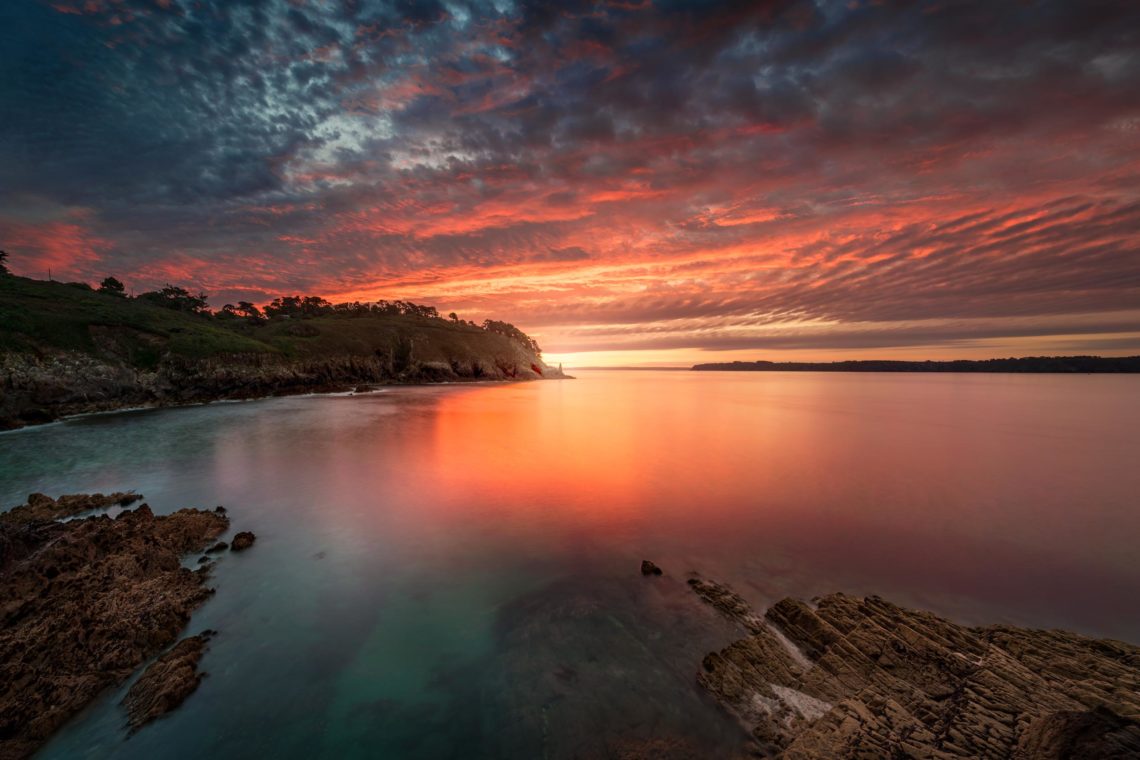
column 242, row 541
column 42, row 507
column 855, row 678
column 85, row 602
column 648, row 568
column 167, row 682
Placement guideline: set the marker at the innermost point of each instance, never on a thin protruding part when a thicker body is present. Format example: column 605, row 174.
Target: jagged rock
column 84, row 602
column 865, row 678
column 41, row 507
column 243, row 541
column 728, row 603
column 648, row 568
column 167, row 682
column 220, row 509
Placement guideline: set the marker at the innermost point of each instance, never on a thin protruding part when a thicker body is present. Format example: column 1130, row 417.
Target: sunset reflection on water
column 416, row 543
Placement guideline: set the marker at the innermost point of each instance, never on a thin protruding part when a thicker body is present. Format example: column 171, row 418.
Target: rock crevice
column 885, row 681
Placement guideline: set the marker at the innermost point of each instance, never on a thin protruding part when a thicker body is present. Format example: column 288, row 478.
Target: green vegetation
column 37, row 315
column 173, row 322
column 66, row 348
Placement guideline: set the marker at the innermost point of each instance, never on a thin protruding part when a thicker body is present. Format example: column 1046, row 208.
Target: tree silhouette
column 112, row 287
column 180, row 299
column 512, row 332
column 244, row 310
column 3, row 262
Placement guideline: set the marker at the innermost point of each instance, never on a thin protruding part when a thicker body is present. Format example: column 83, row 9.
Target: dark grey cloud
column 270, row 144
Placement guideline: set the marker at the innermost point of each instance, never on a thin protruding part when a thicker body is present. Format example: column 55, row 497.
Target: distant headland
column 1025, row 364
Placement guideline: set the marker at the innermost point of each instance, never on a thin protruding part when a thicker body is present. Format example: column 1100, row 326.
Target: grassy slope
column 37, row 315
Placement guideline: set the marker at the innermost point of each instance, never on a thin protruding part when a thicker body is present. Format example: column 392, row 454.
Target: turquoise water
column 453, row 571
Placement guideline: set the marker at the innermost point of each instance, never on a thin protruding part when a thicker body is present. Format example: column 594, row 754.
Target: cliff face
column 64, row 350
column 42, row 387
column 854, row 678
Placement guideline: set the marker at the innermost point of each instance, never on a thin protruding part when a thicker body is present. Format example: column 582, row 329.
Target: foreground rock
column 83, row 603
column 42, row 507
column 167, row 682
column 863, row 678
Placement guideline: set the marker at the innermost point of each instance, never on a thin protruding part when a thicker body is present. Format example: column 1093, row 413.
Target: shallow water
column 453, row 571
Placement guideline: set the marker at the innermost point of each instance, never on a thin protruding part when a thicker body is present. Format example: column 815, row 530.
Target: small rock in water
column 243, row 541
column 648, row 568
column 221, row 546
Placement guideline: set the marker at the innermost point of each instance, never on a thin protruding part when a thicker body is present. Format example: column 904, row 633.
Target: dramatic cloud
column 943, row 178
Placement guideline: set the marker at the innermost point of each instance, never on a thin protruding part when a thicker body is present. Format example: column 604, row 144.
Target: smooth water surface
column 453, row 571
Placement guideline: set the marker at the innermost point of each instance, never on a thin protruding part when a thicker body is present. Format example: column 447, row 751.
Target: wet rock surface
column 166, row 682
column 863, row 678
column 43, row 507
column 242, row 541
column 84, row 602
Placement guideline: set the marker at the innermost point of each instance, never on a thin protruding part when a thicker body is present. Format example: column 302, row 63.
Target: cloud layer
column 625, row 175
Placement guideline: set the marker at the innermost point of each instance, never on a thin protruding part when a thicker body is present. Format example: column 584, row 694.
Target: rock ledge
column 864, row 678
column 84, row 602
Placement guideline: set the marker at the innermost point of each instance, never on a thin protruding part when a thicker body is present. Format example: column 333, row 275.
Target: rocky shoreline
column 56, row 385
column 84, row 602
column 87, row 598
column 847, row 677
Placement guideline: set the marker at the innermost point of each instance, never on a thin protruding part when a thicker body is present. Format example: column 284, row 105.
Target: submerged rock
column 221, row 546
column 85, row 602
column 167, row 682
column 855, row 677
column 648, row 568
column 243, row 541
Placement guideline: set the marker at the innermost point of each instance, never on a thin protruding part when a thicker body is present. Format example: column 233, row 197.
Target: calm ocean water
column 453, row 571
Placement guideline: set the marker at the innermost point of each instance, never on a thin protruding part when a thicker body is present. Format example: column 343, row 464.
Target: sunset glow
column 655, row 183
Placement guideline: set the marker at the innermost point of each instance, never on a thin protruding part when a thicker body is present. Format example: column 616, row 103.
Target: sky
column 632, row 182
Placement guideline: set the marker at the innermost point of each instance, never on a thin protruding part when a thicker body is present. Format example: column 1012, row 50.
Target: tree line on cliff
column 289, row 307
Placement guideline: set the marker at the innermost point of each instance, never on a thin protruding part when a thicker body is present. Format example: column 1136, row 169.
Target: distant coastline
column 1025, row 364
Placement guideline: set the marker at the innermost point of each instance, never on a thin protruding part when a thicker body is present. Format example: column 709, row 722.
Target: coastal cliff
column 847, row 677
column 65, row 349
